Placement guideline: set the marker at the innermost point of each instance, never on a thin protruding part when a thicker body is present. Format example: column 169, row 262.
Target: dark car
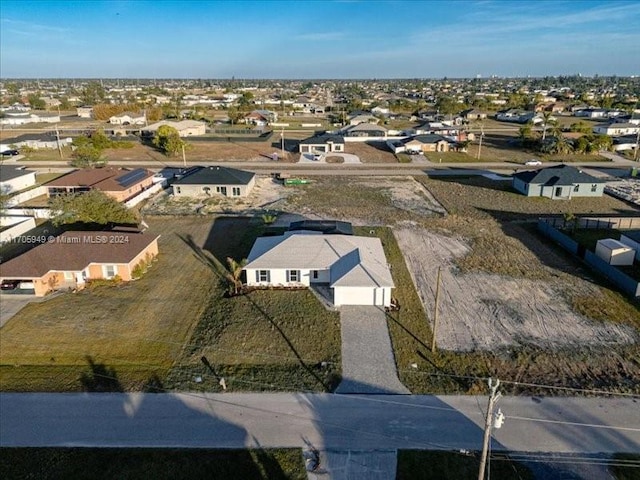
column 10, row 153
column 9, row 284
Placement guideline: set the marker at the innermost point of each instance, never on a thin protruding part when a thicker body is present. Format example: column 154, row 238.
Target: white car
column 533, row 163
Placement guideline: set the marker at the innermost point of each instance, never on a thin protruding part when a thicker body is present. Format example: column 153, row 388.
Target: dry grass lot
column 371, row 152
column 136, row 330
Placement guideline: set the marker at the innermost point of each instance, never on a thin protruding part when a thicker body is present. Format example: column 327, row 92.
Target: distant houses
column 185, row 128
column 38, row 141
column 324, row 143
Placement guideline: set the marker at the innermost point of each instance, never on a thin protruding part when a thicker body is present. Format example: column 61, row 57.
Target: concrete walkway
column 356, row 465
column 368, row 363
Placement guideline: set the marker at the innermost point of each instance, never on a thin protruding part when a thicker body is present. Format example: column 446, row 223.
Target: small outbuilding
column 614, row 252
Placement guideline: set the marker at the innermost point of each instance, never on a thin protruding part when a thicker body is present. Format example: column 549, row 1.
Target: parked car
column 533, row 163
column 9, row 284
column 10, row 153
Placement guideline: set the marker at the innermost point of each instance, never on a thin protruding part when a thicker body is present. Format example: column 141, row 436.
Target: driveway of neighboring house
column 347, row 157
column 12, row 304
column 368, row 363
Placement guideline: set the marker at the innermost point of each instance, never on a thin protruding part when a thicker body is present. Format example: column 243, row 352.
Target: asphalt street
column 327, row 421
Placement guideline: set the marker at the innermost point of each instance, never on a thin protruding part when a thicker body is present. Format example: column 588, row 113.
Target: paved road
column 368, row 364
column 327, row 421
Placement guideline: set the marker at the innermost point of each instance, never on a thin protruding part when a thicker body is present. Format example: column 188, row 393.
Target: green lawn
column 159, row 464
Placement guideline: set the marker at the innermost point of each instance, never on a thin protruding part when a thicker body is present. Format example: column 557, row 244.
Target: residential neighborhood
column 321, row 241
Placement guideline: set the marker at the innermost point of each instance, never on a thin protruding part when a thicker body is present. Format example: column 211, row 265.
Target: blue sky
column 318, row 39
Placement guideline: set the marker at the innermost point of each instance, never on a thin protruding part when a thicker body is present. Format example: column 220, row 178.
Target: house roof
column 74, row 251
column 108, row 179
column 322, row 139
column 426, row 139
column 10, row 172
column 353, row 261
column 41, row 137
column 216, row 175
column 324, row 226
column 558, row 175
column 365, row 127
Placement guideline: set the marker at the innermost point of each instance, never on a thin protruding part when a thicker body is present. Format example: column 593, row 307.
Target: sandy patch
column 484, row 311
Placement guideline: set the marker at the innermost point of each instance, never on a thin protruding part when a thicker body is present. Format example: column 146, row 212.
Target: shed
column 614, row 252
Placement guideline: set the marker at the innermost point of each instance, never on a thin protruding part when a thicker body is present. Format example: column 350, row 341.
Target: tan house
column 427, row 143
column 72, row 259
column 119, row 183
column 84, row 111
column 185, row 128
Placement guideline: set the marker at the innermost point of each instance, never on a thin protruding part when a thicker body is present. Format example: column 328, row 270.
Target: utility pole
column 282, row 141
column 635, row 154
column 435, row 313
column 493, row 398
column 184, row 158
column 480, row 144
column 58, row 141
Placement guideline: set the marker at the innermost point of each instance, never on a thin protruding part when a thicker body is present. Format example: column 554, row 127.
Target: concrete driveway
column 368, row 362
column 12, row 304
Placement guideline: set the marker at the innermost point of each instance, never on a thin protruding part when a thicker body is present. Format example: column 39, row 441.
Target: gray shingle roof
column 322, row 139
column 216, row 176
column 353, row 261
column 10, row 172
column 558, row 175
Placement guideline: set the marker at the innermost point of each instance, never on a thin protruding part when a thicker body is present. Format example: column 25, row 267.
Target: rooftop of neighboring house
column 74, row 251
column 558, row 175
column 215, row 175
column 8, row 172
column 108, row 179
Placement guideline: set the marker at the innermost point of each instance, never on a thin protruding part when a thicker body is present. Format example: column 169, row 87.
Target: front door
column 558, row 192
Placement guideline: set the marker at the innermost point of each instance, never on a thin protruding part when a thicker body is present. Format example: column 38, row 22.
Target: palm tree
column 546, row 116
column 234, row 275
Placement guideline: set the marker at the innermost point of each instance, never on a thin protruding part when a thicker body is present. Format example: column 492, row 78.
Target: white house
column 128, row 118
column 84, row 111
column 353, row 268
column 617, row 129
column 14, row 179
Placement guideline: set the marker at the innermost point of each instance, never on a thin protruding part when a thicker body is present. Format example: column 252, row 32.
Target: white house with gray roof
column 353, row 268
column 214, row 180
column 561, row 182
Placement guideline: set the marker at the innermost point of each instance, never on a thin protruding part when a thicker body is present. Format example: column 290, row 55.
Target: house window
column 109, row 271
column 576, row 188
column 222, row 190
column 68, row 276
column 315, row 274
column 293, row 275
column 235, row 191
column 594, row 187
column 178, row 190
column 263, row 276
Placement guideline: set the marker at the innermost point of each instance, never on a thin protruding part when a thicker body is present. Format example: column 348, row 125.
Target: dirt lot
column 486, row 311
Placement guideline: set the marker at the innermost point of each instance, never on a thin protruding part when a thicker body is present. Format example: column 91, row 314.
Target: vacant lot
column 371, row 152
column 480, row 197
column 164, row 463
